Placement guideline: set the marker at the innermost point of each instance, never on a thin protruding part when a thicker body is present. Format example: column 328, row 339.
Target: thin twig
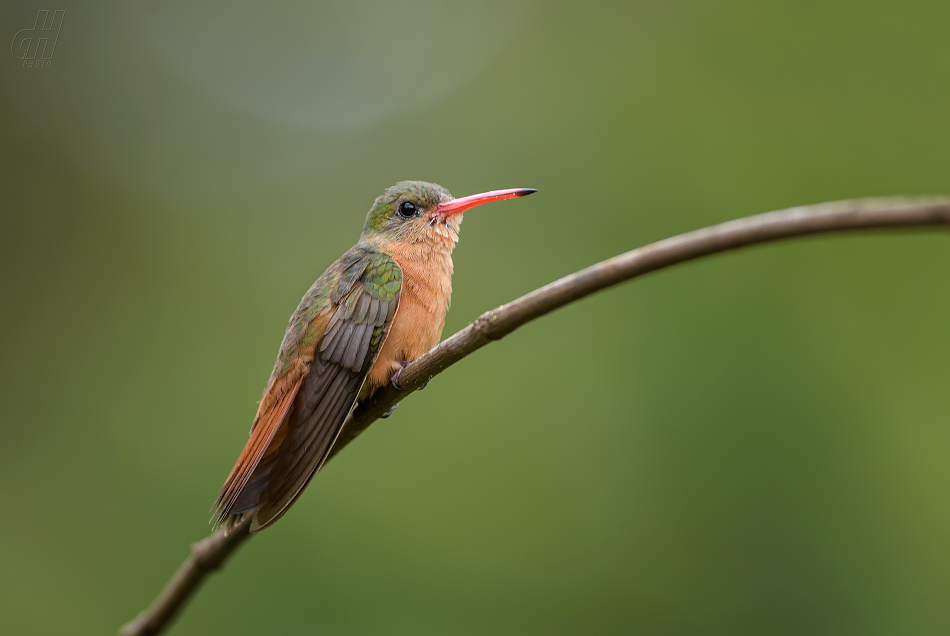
column 210, row 554
column 206, row 557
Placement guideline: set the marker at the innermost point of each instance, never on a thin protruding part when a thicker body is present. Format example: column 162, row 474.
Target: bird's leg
column 395, row 379
column 390, row 411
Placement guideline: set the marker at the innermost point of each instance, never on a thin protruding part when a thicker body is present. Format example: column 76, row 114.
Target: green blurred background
column 756, row 443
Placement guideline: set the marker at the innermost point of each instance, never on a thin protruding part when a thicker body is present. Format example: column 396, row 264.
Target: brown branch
column 842, row 216
column 206, row 557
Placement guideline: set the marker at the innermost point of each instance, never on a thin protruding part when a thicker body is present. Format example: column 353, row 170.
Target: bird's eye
column 407, row 209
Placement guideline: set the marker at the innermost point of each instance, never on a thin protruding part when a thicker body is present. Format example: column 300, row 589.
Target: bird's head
column 416, row 211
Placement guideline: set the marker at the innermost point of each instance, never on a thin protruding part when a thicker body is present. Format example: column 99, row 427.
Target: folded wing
column 291, row 441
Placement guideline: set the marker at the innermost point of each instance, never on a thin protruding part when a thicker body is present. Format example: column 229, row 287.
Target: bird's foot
column 390, row 411
column 395, row 379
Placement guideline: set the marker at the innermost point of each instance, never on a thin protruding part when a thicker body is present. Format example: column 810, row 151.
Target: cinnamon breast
column 423, row 302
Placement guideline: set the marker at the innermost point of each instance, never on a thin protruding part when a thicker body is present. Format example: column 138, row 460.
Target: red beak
column 457, row 206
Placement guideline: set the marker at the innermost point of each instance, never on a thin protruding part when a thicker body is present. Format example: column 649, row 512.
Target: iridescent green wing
column 346, row 336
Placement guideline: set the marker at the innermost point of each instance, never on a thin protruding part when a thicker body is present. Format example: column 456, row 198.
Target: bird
column 376, row 309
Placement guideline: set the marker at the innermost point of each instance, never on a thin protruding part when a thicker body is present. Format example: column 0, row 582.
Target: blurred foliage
column 753, row 444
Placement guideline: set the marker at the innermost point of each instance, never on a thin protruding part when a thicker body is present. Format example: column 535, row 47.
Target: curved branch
column 822, row 218
column 206, row 557
column 841, row 216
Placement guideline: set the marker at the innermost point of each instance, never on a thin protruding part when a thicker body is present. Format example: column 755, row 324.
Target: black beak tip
column 526, row 191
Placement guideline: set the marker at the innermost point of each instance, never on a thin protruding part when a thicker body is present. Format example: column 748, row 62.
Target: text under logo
column 35, row 46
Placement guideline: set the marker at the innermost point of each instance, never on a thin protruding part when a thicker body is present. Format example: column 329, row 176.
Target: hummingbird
column 376, row 309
